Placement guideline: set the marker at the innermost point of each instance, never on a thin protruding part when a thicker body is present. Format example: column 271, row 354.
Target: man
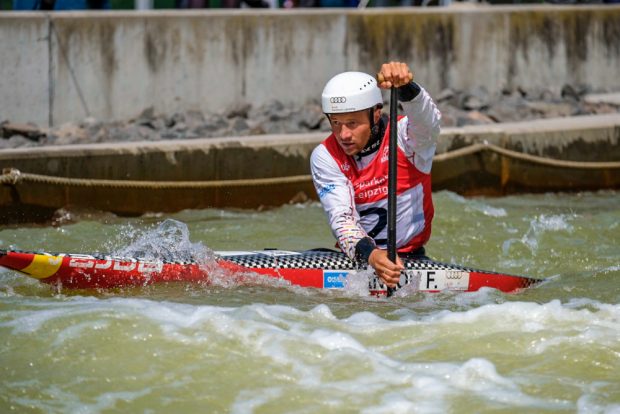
column 350, row 168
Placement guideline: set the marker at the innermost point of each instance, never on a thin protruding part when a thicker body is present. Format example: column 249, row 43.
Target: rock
column 274, row 117
column 311, row 116
column 32, row 132
column 180, row 127
column 256, row 128
column 478, row 118
column 240, row 109
column 271, row 111
column 69, row 133
column 239, row 126
column 119, row 134
column 174, row 119
column 450, row 115
column 194, row 119
column 146, row 115
column 570, row 92
column 551, row 109
column 445, row 95
column 543, row 95
column 473, row 118
column 101, row 135
column 156, row 124
column 475, row 100
column 509, row 109
column 187, row 122
column 17, row 141
column 213, row 125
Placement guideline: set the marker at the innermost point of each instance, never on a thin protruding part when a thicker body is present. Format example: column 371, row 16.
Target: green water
column 267, row 347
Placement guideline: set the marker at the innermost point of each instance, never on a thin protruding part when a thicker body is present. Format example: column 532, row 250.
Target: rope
column 475, row 148
column 13, row 176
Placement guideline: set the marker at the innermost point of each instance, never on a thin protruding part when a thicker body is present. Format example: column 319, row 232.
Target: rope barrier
column 472, row 149
column 13, row 176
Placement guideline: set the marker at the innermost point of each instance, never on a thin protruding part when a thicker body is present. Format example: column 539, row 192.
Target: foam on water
column 262, row 348
column 417, row 362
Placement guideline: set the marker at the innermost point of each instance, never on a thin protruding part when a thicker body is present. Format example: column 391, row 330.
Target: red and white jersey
column 354, row 191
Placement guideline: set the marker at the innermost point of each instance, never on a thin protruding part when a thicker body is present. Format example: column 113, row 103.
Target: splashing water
column 538, row 227
column 169, row 241
column 550, row 349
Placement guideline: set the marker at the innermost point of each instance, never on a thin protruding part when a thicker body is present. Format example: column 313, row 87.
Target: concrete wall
column 64, row 67
column 239, row 161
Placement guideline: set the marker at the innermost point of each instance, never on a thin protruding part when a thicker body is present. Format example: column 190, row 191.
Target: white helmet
column 350, row 92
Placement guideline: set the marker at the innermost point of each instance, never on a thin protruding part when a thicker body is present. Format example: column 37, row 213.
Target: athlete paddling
column 350, row 168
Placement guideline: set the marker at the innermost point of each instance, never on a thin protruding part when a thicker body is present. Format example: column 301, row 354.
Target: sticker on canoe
column 441, row 279
column 115, row 263
column 334, row 279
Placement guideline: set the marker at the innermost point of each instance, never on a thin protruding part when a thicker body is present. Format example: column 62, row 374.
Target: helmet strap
column 376, row 135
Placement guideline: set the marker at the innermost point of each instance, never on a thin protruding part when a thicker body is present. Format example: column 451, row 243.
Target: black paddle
column 391, row 236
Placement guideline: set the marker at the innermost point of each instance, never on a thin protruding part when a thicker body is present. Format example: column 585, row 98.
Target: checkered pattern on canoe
column 328, row 260
column 306, row 260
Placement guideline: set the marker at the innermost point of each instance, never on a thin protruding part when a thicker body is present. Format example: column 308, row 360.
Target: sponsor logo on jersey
column 386, row 154
column 326, row 190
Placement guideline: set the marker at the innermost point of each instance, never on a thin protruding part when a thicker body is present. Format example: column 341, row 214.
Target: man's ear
column 377, row 114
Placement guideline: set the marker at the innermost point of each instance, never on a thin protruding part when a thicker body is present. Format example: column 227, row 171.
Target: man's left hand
column 394, row 74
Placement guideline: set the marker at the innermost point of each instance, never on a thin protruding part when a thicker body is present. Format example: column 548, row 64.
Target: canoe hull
column 313, row 269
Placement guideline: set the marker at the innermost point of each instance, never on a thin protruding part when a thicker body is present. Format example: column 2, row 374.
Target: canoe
column 319, row 269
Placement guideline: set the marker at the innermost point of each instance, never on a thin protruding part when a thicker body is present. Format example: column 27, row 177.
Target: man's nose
column 345, row 132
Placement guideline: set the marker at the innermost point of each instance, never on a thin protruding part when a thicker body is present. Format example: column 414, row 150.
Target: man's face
column 352, row 130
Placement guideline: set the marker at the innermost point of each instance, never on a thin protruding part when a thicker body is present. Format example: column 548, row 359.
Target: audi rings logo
column 454, row 274
column 337, row 99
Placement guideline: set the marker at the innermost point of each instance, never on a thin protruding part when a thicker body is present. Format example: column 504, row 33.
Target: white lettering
column 150, row 267
column 105, row 265
column 371, row 193
column 126, row 267
column 385, row 156
column 82, row 261
column 373, row 182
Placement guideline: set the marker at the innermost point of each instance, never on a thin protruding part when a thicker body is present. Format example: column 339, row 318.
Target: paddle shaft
column 392, row 176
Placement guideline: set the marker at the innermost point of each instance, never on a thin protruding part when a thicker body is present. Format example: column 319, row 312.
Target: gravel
column 459, row 108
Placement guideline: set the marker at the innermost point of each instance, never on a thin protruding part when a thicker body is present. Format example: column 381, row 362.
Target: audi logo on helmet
column 338, row 99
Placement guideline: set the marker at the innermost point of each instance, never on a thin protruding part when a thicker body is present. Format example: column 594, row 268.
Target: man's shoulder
column 322, row 159
column 319, row 152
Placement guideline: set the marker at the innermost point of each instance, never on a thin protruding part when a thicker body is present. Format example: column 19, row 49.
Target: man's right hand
column 386, row 270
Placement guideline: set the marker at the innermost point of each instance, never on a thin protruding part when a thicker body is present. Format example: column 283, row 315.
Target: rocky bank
column 458, row 108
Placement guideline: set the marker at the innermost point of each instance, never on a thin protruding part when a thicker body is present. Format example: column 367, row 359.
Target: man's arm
column 418, row 136
column 337, row 197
